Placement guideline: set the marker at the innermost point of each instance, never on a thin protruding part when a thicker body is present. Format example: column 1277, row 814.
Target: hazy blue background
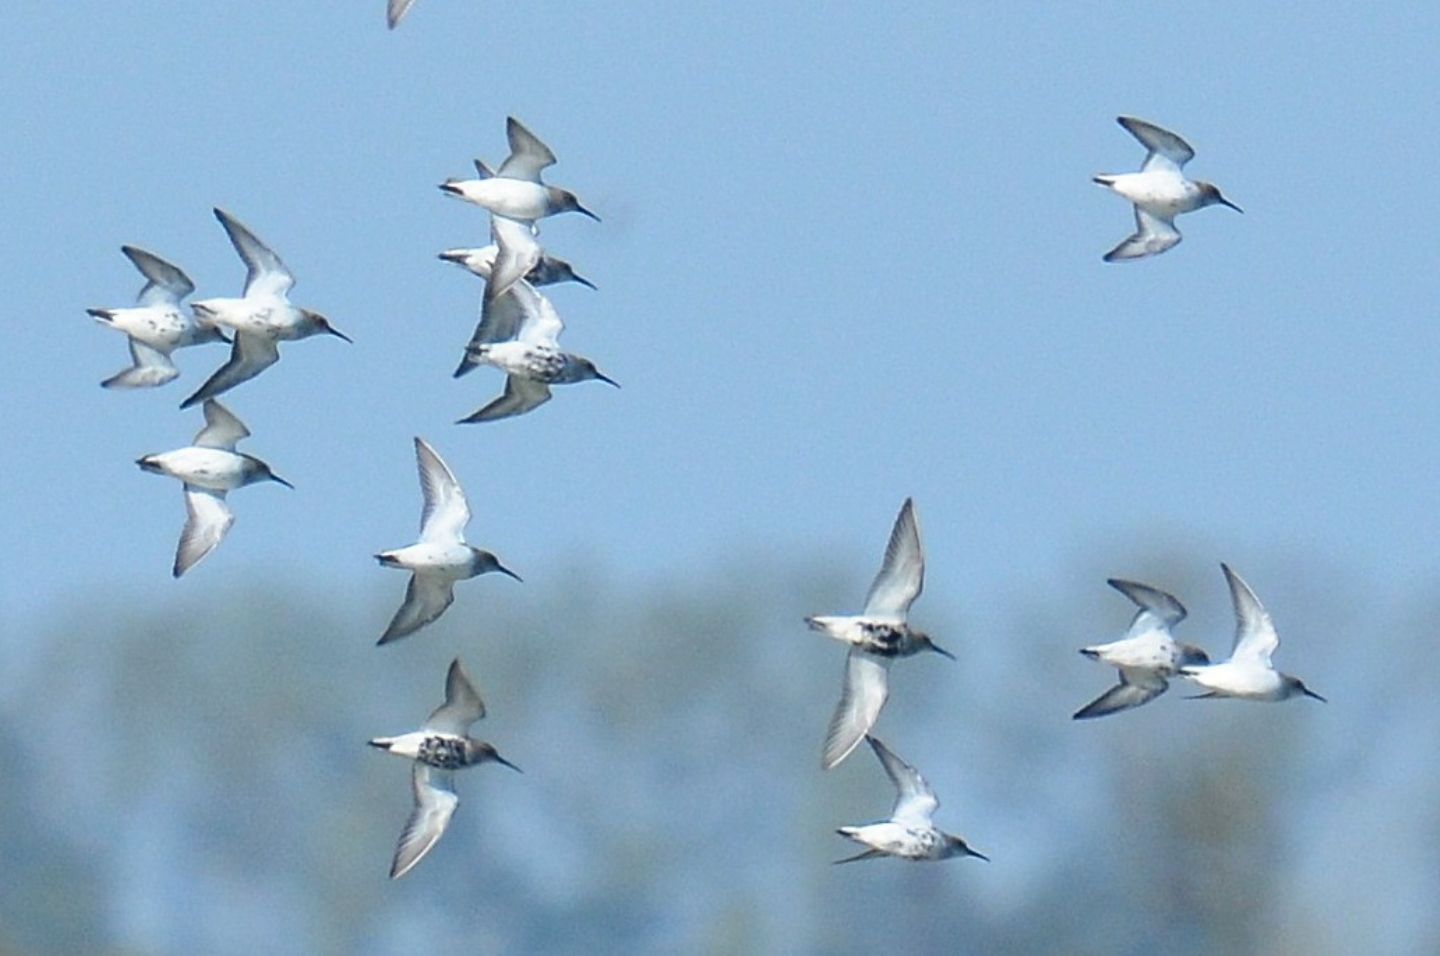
column 849, row 254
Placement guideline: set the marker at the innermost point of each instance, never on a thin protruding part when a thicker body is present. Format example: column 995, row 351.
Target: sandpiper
column 1248, row 673
column 157, row 325
column 909, row 833
column 1159, row 191
column 548, row 271
column 210, row 467
column 519, row 333
column 515, row 190
column 261, row 319
column 1146, row 655
column 441, row 557
column 877, row 636
column 442, row 745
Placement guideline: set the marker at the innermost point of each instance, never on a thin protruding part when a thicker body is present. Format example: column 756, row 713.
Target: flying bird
column 157, row 325
column 440, row 747
column 515, row 190
column 1146, row 655
column 909, row 833
column 1159, row 191
column 877, row 636
column 519, row 333
column 209, row 467
column 261, row 319
column 1248, row 674
column 441, row 557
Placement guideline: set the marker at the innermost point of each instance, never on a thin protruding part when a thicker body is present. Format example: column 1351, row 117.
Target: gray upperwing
column 249, row 356
column 426, row 598
column 521, row 395
column 149, row 367
column 1152, row 236
column 462, row 706
column 166, row 283
column 265, row 273
column 1166, row 149
column 528, row 156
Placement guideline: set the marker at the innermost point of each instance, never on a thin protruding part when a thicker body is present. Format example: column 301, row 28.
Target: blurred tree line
column 192, row 777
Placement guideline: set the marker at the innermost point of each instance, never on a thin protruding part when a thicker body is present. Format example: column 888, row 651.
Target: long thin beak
column 941, row 651
column 504, row 570
column 1226, row 202
column 584, row 281
column 1310, row 693
column 500, row 759
column 585, row 212
column 605, row 378
column 340, row 335
column 976, row 853
column 282, row 481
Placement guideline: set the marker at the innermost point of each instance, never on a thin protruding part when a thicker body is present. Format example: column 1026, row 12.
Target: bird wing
column 1159, row 610
column 915, row 801
column 249, row 356
column 396, row 11
column 435, row 804
column 165, row 284
column 528, row 156
column 521, row 395
column 861, row 696
column 266, row 274
column 1255, row 636
column 517, row 253
column 445, row 513
column 1137, row 686
column 1152, row 236
column 540, row 324
column 207, row 518
column 222, row 429
column 462, row 706
column 1167, row 150
column 426, row 598
column 149, row 367
column 902, row 573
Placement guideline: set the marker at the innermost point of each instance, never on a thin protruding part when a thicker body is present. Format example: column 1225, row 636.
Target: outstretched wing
column 1137, row 686
column 462, row 706
column 426, row 598
column 165, row 283
column 528, row 156
column 1255, row 635
column 149, row 367
column 1152, row 236
column 222, row 429
column 249, row 356
column 266, row 274
column 861, row 697
column 445, row 512
column 1159, row 610
column 521, row 395
column 902, row 573
column 915, row 802
column 207, row 518
column 1167, row 150
column 435, row 804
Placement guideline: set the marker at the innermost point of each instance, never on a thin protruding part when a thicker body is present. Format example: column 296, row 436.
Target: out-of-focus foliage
column 194, row 778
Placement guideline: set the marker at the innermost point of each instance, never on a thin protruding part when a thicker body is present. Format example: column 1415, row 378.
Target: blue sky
column 849, row 253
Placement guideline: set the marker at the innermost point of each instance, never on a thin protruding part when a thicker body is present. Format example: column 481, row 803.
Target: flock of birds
column 518, row 333
column 1145, row 657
